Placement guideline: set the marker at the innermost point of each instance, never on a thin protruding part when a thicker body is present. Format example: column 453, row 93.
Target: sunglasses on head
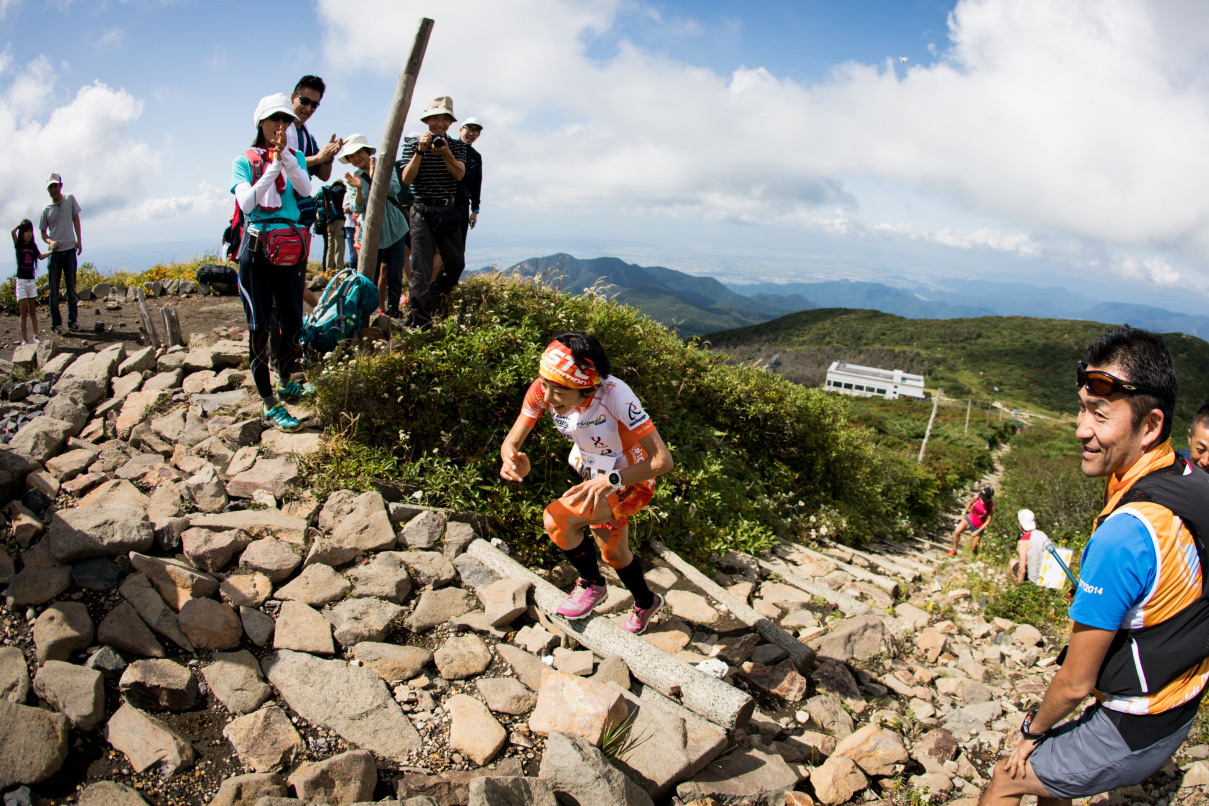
column 308, row 102
column 1101, row 384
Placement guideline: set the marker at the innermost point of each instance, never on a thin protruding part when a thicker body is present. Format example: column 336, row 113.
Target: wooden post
column 172, row 328
column 969, row 405
column 375, row 206
column 145, row 320
column 932, row 419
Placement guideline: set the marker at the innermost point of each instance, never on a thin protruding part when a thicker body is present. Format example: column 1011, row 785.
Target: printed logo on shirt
column 1098, row 591
column 635, row 413
column 597, row 442
column 590, row 423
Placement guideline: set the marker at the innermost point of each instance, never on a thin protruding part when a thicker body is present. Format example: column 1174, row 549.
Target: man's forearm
column 456, row 167
column 1061, row 698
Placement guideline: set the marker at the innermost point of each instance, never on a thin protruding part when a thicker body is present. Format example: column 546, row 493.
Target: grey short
column 1088, row 756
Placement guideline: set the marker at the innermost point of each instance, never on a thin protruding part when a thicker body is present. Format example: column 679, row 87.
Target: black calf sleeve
column 631, row 576
column 583, row 557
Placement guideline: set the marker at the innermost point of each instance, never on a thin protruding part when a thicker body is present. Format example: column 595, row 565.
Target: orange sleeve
column 533, row 407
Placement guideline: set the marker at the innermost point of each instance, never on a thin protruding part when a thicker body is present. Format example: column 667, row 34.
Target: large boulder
column 41, row 438
column 34, row 746
column 77, row 534
column 62, row 629
column 571, row 765
column 344, row 778
column 74, row 691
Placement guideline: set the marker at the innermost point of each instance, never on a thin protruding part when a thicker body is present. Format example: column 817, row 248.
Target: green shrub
column 756, row 457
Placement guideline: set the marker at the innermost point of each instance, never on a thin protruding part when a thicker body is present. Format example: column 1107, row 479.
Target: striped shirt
column 434, row 179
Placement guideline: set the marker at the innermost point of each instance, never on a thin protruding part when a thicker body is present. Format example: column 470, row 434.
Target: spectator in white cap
column 267, row 180
column 391, row 236
column 433, row 164
column 1030, row 548
column 471, row 185
column 60, row 228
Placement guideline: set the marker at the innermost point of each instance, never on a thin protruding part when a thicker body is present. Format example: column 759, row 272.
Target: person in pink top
column 976, row 516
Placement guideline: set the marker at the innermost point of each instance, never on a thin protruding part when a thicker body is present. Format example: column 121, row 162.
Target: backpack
column 333, row 202
column 349, row 298
column 221, row 279
column 1145, row 660
column 232, row 236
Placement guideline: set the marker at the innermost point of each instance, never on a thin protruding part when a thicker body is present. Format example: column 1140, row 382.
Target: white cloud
column 1080, row 122
column 1018, row 243
column 111, row 38
column 87, row 140
column 207, row 201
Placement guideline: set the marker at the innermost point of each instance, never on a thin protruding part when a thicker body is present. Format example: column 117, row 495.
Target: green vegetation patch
column 756, row 457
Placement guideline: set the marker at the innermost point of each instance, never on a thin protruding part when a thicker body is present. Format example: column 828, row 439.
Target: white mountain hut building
column 853, row 379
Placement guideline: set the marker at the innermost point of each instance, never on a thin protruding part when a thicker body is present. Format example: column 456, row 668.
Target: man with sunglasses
column 308, row 92
column 1139, row 569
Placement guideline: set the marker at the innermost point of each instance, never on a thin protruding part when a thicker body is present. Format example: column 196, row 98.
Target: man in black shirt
column 433, row 164
column 471, row 185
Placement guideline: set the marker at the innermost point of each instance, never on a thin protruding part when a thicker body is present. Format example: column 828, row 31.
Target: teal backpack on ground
column 349, row 298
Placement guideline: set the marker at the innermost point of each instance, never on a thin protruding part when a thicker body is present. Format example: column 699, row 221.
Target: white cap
column 472, row 122
column 352, row 145
column 1028, row 521
column 271, row 105
column 54, row 179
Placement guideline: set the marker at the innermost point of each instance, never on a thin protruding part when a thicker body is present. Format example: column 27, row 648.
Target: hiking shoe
column 280, row 419
column 638, row 619
column 73, row 326
column 950, row 552
column 582, row 600
column 295, row 392
column 57, row 329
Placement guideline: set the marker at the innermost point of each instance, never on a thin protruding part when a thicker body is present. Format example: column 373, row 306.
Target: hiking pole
column 375, row 206
column 1053, row 552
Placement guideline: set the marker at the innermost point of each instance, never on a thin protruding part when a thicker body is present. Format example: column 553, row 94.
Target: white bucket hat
column 441, row 105
column 1028, row 521
column 352, row 145
column 271, row 105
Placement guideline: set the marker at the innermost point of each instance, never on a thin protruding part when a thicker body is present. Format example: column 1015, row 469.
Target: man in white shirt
column 60, row 224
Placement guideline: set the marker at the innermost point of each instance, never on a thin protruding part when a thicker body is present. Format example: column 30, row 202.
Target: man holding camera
column 433, row 164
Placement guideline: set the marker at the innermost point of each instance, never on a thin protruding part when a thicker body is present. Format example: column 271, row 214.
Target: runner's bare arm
column 514, row 464
column 1071, row 685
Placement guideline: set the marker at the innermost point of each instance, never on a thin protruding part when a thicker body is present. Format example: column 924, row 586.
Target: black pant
column 425, row 238
column 261, row 286
column 392, row 258
column 63, row 264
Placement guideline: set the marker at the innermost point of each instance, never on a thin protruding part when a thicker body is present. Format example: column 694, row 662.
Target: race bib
column 588, row 465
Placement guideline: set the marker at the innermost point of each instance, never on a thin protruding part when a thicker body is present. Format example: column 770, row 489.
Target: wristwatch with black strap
column 1028, row 723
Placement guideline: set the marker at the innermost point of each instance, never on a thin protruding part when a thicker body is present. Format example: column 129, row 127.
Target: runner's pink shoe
column 638, row 619
column 582, row 600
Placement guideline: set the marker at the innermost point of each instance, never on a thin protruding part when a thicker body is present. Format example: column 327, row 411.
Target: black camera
column 438, row 142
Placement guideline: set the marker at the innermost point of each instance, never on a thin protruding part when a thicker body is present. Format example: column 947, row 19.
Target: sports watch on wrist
column 614, row 479
column 1028, row 723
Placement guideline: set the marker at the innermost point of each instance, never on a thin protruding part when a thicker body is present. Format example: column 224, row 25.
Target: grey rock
column 367, row 527
column 62, row 629
column 246, row 790
column 384, row 576
column 159, row 685
column 352, row 701
column 213, row 551
column 457, row 537
column 856, row 638
column 429, row 567
column 74, row 691
column 511, row 791
column 138, row 591
column 749, row 774
column 148, row 742
column 272, row 557
column 462, row 656
column 828, row 714
column 572, row 766
column 142, row 360
column 41, row 438
column 344, row 778
column 356, row 620
column 257, row 523
column 528, row 668
column 177, row 582
column 392, row 662
column 506, row 695
column 339, row 505
column 164, row 381
column 473, row 731
column 97, row 574
column 277, row 475
column 328, row 553
column 107, row 661
column 122, row 628
column 34, row 746
column 235, row 679
column 210, row 624
column 110, row 793
column 473, row 572
column 316, row 586
column 67, row 466
column 206, row 489
column 77, row 534
column 246, row 590
column 14, row 675
column 116, row 493
column 257, row 625
column 436, row 607
column 505, row 600
column 62, row 407
column 265, row 740
column 36, row 586
column 303, row 629
column 165, row 504
column 424, row 530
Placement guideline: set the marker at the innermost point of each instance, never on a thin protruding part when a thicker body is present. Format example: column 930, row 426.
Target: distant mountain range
column 695, row 305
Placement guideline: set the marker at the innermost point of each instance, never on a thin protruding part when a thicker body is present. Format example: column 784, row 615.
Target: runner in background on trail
column 1198, row 439
column 60, row 226
column 26, row 286
column 616, row 450
column 975, row 516
column 1030, row 548
column 267, row 179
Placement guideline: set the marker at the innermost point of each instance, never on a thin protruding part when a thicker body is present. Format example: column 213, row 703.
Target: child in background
column 27, row 261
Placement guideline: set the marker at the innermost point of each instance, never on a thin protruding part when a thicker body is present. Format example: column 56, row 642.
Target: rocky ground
column 185, row 624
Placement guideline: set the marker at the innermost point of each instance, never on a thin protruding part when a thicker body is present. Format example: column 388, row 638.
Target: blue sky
column 909, row 140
